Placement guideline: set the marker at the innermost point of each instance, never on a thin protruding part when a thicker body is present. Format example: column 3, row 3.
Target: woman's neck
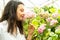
column 15, row 29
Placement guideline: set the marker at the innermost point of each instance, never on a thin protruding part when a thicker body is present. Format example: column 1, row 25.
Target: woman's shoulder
column 19, row 35
column 4, row 34
column 3, row 25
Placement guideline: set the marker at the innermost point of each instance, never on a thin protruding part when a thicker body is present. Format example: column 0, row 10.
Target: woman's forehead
column 20, row 6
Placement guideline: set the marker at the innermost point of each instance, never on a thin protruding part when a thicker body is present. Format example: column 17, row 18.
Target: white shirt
column 4, row 35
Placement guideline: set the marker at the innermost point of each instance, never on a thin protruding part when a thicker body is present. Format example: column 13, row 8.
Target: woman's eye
column 22, row 10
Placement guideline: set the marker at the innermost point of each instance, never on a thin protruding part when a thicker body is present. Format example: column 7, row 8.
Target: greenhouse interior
column 33, row 19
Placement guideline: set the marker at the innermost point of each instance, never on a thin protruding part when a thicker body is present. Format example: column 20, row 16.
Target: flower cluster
column 53, row 22
column 47, row 24
column 44, row 15
column 30, row 14
column 41, row 28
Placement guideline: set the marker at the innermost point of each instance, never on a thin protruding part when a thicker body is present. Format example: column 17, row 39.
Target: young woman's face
column 20, row 12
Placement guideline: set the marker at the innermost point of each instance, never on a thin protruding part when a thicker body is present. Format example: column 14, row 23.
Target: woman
column 11, row 27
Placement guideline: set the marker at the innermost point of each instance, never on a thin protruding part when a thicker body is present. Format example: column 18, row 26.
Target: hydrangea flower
column 53, row 22
column 55, row 15
column 30, row 14
column 44, row 15
column 48, row 19
column 42, row 28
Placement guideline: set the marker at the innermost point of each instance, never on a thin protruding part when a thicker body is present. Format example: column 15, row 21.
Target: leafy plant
column 46, row 25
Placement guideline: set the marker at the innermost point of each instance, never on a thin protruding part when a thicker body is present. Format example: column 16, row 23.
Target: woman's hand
column 30, row 31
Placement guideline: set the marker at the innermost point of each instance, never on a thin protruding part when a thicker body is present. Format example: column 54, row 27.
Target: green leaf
column 52, row 33
column 59, row 11
column 35, row 23
column 45, row 8
column 57, row 31
column 58, row 19
column 37, row 10
column 50, row 38
column 52, row 10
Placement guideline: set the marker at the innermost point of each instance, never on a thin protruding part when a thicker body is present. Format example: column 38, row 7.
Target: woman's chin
column 22, row 19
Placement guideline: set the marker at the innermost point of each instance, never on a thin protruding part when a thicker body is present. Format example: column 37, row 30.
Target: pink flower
column 55, row 15
column 42, row 28
column 48, row 19
column 30, row 14
column 53, row 22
